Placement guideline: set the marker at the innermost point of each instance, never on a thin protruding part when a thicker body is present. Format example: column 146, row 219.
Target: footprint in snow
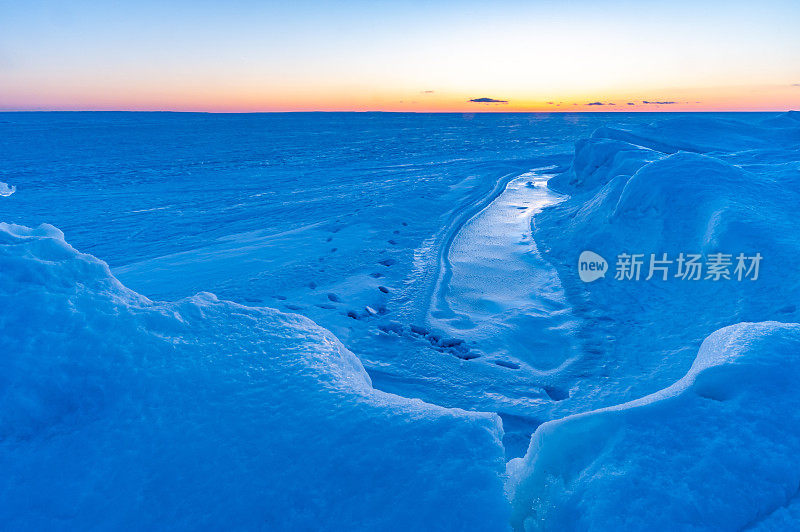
column 556, row 394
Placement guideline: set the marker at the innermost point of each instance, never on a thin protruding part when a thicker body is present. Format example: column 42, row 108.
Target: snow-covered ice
column 399, row 337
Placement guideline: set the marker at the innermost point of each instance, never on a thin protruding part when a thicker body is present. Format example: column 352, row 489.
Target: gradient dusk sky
column 244, row 55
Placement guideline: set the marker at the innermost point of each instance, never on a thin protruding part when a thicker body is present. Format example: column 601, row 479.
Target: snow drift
column 715, row 451
column 117, row 411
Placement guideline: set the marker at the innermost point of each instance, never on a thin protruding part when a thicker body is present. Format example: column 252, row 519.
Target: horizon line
column 565, row 111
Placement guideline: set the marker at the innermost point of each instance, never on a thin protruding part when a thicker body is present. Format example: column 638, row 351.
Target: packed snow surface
column 400, row 337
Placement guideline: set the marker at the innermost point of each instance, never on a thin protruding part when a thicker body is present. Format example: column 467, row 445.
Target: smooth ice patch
column 499, row 291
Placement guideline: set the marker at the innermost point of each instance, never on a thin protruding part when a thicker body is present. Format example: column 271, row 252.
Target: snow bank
column 117, row 411
column 641, row 196
column 715, row 451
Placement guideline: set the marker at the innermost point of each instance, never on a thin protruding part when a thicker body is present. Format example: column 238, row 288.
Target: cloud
column 487, row 100
column 631, row 103
column 795, row 84
column 595, row 103
column 428, row 92
column 658, row 103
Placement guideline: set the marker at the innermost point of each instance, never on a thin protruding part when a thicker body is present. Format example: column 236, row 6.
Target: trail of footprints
column 452, row 346
column 334, row 300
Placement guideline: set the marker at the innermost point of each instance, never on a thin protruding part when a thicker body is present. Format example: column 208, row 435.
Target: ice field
column 372, row 321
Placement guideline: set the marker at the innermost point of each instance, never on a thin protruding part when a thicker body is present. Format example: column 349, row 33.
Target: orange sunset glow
column 444, row 57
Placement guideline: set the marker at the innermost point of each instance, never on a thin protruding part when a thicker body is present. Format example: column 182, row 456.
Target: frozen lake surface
column 397, row 313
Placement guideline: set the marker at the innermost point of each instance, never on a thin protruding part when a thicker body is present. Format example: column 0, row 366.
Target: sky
column 469, row 56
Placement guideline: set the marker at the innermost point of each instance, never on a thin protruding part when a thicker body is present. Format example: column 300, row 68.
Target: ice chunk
column 715, row 451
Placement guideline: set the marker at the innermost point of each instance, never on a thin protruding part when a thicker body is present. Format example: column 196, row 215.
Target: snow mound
column 714, row 451
column 118, row 412
column 681, row 202
column 598, row 160
column 690, row 201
